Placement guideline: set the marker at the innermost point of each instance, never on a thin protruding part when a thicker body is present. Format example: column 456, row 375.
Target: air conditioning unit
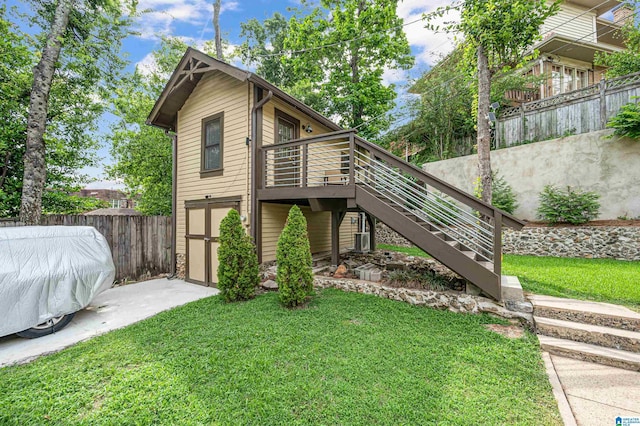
column 362, row 242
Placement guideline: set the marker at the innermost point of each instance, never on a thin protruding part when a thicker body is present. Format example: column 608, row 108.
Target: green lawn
column 604, row 280
column 346, row 359
column 411, row 251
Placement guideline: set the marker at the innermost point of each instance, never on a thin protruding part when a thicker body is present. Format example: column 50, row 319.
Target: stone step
column 602, row 314
column 588, row 333
column 590, row 353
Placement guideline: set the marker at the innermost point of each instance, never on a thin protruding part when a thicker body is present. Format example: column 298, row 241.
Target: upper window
column 212, row 138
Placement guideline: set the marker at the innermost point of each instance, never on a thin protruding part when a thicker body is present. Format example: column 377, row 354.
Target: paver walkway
column 112, row 309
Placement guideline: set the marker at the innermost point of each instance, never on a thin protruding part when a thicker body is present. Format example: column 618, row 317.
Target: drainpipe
column 174, row 201
column 254, row 162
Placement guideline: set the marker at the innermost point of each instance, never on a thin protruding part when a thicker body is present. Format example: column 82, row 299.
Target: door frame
column 288, row 158
column 207, row 204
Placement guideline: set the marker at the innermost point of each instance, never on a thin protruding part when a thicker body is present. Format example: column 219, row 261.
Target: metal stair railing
column 443, row 215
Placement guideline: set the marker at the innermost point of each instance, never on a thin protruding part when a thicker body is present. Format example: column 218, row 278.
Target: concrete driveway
column 114, row 308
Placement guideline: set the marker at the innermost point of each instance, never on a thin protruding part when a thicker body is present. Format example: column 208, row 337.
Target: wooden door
column 203, row 233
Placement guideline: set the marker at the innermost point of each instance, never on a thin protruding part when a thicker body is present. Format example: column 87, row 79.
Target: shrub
column 238, row 273
column 573, row 206
column 627, row 121
column 293, row 256
column 502, row 195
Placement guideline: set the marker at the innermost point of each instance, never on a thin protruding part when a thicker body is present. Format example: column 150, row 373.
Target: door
column 202, row 239
column 287, row 160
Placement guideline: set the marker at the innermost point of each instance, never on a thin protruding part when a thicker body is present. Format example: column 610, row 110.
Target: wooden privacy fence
column 580, row 111
column 140, row 245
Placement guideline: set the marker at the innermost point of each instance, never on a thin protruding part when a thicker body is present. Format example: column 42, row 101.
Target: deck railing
column 343, row 158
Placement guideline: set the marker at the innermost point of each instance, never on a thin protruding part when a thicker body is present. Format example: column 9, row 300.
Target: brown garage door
column 203, row 231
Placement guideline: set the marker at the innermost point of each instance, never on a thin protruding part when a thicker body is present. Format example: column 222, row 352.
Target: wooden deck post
column 336, row 220
column 372, row 232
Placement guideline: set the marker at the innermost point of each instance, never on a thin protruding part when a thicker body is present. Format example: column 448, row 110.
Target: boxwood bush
column 293, row 256
column 571, row 206
column 238, row 273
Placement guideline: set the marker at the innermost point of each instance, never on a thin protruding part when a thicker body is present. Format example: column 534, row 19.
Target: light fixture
column 307, row 128
column 495, row 105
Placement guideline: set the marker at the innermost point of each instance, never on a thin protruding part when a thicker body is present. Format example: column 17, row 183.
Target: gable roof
column 184, row 79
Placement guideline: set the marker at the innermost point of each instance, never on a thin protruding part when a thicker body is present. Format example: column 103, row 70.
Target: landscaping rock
column 341, row 272
column 516, row 306
column 270, row 285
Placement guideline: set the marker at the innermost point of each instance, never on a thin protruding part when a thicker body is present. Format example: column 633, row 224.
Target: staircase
column 595, row 332
column 454, row 227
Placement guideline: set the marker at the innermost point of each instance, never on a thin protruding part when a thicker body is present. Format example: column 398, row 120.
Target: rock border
column 449, row 300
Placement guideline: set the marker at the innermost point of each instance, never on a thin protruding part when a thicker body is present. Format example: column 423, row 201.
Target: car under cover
column 49, row 271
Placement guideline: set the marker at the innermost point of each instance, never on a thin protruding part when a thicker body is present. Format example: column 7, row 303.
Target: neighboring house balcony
column 570, row 41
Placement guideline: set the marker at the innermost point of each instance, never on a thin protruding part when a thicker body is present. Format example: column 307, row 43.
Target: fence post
column 523, row 122
column 603, row 103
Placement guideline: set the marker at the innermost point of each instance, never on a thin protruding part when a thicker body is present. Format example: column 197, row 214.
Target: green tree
column 262, row 43
column 72, row 114
column 238, row 273
column 293, row 256
column 80, row 41
column 627, row 121
column 626, row 61
column 333, row 57
column 498, row 33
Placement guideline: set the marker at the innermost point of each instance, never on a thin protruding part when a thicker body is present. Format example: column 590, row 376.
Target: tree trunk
column 35, row 168
column 484, row 135
column 216, row 28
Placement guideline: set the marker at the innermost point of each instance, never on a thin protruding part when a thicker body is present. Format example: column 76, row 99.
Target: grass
column 411, row 251
column 604, row 280
column 346, row 359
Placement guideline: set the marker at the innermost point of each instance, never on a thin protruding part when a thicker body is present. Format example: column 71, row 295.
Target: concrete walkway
column 593, row 394
column 114, row 308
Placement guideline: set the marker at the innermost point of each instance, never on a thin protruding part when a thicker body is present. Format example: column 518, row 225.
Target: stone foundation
column 452, row 301
column 181, row 264
column 386, row 235
column 613, row 242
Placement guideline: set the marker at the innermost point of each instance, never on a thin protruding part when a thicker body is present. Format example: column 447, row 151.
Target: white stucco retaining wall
column 610, row 167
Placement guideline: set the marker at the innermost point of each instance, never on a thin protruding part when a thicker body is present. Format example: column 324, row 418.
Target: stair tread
column 587, row 327
column 583, row 306
column 589, row 349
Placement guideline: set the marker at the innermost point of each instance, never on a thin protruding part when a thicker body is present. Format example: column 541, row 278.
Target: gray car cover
column 48, row 271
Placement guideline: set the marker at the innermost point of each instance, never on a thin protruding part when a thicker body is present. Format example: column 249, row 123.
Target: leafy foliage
column 73, row 112
column 571, row 206
column 238, row 261
column 502, row 195
column 293, row 257
column 58, row 202
column 428, row 280
column 338, row 53
column 627, row 121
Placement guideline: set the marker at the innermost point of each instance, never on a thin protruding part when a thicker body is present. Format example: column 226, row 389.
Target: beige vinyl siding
column 581, row 25
column 274, row 217
column 216, row 92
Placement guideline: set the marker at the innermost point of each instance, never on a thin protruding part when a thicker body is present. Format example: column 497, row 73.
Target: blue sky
column 191, row 20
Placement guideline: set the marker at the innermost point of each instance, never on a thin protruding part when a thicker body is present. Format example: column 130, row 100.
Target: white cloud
column 161, row 15
column 431, row 45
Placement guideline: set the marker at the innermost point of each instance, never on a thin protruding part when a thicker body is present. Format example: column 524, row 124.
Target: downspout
column 174, row 200
column 254, row 162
